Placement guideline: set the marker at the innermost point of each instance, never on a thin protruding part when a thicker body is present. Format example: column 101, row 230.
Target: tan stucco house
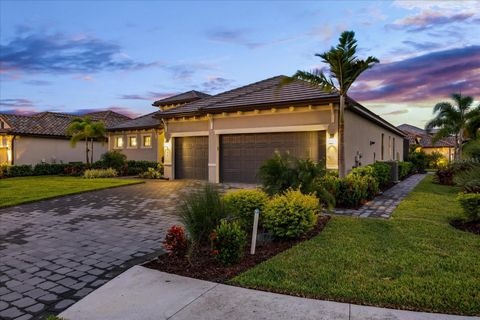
column 43, row 137
column 226, row 137
column 423, row 140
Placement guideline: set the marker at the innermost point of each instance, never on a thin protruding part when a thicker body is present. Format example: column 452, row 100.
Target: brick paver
column 383, row 206
column 54, row 252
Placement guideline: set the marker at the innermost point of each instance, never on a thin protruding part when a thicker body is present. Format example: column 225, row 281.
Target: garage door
column 241, row 155
column 191, row 158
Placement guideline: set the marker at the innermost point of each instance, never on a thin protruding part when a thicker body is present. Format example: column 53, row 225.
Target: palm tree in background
column 458, row 120
column 85, row 129
column 345, row 68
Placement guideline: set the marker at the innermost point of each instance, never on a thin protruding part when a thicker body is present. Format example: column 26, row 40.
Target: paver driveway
column 54, row 252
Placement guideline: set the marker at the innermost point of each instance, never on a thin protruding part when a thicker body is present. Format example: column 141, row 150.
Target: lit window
column 118, row 142
column 132, row 141
column 147, row 141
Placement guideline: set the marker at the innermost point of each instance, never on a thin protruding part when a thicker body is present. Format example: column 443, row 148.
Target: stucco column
column 168, row 155
column 213, row 152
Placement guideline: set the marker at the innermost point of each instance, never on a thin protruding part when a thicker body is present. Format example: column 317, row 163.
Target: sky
column 80, row 56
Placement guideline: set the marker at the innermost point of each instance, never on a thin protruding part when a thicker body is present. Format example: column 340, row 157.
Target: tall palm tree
column 95, row 131
column 458, row 120
column 345, row 68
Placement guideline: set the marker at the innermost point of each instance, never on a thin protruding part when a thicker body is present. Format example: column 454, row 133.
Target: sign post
column 254, row 231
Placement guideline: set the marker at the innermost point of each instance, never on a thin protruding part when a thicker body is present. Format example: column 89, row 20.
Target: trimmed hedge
column 405, row 168
column 242, row 204
column 470, row 203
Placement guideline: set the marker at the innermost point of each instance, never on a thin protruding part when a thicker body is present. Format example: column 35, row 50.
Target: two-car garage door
column 241, row 155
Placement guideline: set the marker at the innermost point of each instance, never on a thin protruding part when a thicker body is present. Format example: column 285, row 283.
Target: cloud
column 37, row 82
column 217, row 84
column 324, row 32
column 395, row 113
column 427, row 20
column 423, row 45
column 427, row 77
column 149, row 96
column 185, row 71
column 232, row 36
column 59, row 53
column 16, row 103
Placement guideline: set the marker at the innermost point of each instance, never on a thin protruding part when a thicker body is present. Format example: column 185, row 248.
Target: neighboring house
column 226, row 137
column 424, row 141
column 43, row 137
column 142, row 138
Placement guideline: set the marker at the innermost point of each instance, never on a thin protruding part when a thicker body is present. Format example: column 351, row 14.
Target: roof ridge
column 240, row 88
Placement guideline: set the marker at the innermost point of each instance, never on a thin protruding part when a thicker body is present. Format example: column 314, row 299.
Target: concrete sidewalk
column 145, row 294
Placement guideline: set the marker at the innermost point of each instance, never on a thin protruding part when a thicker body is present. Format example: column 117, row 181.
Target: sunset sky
column 76, row 56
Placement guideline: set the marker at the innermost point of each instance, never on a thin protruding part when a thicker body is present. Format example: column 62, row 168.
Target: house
column 142, row 138
column 424, row 141
column 226, row 137
column 43, row 137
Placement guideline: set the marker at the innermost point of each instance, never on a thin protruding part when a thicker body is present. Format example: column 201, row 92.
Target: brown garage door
column 242, row 154
column 191, row 158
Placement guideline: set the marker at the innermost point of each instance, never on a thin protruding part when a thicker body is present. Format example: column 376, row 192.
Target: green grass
column 19, row 190
column 414, row 261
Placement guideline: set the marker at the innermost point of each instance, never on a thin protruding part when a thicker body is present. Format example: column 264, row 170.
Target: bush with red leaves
column 176, row 242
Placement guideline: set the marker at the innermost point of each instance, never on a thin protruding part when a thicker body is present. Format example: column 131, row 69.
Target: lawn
column 415, row 260
column 15, row 191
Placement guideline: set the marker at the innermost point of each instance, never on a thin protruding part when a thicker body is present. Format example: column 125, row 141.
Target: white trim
column 317, row 127
column 212, row 164
column 189, row 134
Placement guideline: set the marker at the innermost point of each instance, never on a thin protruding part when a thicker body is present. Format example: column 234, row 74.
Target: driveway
column 54, row 252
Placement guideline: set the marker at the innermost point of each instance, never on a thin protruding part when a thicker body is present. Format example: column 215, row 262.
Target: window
column 394, row 153
column 390, row 147
column 132, row 141
column 383, row 136
column 147, row 141
column 118, row 142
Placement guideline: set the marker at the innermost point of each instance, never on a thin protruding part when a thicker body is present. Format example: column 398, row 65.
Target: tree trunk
column 86, row 150
column 91, row 153
column 460, row 145
column 341, row 138
column 455, row 153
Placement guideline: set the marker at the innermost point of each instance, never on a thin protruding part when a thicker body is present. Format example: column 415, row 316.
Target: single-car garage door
column 242, row 154
column 191, row 158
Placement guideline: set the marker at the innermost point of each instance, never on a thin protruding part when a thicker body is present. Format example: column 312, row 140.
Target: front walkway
column 54, row 252
column 383, row 205
column 146, row 294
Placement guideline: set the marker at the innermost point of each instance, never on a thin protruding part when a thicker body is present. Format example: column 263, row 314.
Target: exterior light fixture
column 332, row 140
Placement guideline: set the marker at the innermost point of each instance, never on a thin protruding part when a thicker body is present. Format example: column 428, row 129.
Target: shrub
column 436, row 160
column 48, row 169
column 75, row 169
column 20, row 170
column 201, row 212
column 368, row 173
column 176, row 242
column 404, row 169
column 100, row 173
column 151, row 173
column 470, row 203
column 228, row 242
column 283, row 172
column 113, row 159
column 4, row 170
column 469, row 180
column 353, row 191
column 445, row 175
column 419, row 160
column 135, row 167
column 243, row 203
column 291, row 214
column 383, row 173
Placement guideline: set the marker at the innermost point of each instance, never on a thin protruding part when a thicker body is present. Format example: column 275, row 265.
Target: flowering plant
column 176, row 242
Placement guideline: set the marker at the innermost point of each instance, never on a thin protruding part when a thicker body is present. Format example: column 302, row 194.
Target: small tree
column 85, row 129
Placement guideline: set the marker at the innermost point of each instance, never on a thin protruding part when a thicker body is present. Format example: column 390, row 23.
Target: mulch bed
column 469, row 226
column 204, row 267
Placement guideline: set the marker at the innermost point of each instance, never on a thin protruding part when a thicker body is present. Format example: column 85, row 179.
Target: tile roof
column 184, row 97
column 265, row 92
column 54, row 123
column 416, row 135
column 143, row 122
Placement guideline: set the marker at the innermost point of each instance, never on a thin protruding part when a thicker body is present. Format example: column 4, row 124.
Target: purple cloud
column 428, row 19
column 217, row 84
column 233, row 36
column 149, row 96
column 425, row 77
column 394, row 113
column 16, row 103
column 58, row 53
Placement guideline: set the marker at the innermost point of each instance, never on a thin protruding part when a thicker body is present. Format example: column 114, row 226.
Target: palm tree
column 78, row 130
column 345, row 68
column 95, row 131
column 458, row 120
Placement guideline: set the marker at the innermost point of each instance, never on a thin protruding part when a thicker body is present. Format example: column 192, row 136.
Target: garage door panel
column 242, row 154
column 191, row 158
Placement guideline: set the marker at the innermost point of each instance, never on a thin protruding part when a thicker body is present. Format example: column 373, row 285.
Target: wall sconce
column 332, row 140
column 167, row 144
column 372, row 143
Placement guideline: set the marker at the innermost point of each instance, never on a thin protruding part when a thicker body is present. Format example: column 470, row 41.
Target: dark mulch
column 203, row 266
column 469, row 226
